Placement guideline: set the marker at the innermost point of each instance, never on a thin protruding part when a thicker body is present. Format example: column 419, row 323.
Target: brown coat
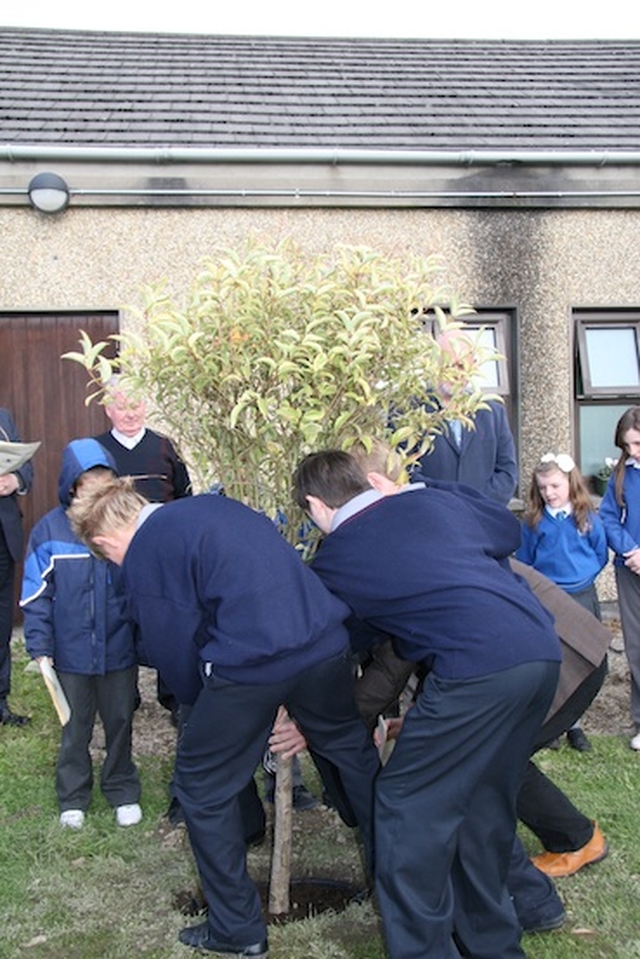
column 583, row 638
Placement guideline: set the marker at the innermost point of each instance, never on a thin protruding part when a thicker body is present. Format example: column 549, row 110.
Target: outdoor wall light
column 48, row 193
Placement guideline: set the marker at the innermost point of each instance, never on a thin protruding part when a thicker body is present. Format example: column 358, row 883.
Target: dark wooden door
column 45, row 394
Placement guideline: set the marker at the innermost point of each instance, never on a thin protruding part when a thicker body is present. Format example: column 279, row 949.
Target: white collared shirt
column 129, row 442
column 567, row 510
column 355, row 505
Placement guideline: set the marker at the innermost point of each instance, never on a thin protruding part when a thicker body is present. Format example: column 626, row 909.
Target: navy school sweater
column 429, row 567
column 208, row 579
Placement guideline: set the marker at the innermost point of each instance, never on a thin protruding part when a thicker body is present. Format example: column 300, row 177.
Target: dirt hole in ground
column 309, row 897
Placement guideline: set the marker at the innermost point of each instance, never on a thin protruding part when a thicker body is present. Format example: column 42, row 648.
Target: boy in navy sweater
column 237, row 625
column 428, row 569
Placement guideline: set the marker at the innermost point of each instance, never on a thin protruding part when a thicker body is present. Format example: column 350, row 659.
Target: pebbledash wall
column 542, row 264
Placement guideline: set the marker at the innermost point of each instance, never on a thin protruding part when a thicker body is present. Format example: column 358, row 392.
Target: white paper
column 56, row 691
column 15, row 455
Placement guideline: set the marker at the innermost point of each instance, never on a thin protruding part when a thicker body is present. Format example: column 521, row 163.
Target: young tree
column 273, row 353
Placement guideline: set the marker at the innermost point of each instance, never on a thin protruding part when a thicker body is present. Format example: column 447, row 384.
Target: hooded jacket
column 74, row 610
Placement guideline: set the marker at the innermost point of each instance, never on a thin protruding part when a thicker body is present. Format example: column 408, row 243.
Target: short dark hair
column 331, row 475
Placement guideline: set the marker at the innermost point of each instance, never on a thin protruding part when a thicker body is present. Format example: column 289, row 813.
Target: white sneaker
column 72, row 818
column 635, row 742
column 128, row 815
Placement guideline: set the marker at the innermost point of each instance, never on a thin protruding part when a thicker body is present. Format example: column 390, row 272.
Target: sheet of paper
column 15, row 455
column 56, row 691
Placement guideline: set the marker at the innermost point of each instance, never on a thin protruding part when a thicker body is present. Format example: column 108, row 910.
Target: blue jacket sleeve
column 526, row 552
column 37, row 599
column 598, row 540
column 612, row 517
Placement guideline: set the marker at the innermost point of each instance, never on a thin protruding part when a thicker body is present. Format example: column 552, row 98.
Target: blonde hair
column 579, row 497
column 105, row 507
column 378, row 458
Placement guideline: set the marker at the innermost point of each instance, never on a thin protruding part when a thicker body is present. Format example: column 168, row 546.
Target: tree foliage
column 273, row 353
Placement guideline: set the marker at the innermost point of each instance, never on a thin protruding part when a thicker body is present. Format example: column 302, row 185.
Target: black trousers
column 112, row 697
column 7, row 567
column 544, row 808
column 222, row 744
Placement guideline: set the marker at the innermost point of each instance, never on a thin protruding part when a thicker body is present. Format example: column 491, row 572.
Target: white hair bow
column 563, row 461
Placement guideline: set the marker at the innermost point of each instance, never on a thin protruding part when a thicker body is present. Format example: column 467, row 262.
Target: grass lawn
column 110, row 893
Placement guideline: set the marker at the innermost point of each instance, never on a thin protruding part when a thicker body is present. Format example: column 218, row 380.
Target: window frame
column 599, row 407
column 611, row 320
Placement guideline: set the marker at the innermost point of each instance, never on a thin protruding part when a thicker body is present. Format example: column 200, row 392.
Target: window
column 492, row 334
column 496, row 329
column 608, row 360
column 607, row 379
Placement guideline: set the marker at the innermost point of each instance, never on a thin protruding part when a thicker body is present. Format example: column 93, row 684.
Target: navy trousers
column 7, row 567
column 445, row 814
column 222, row 744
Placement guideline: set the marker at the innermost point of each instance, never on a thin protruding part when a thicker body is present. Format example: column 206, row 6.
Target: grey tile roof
column 117, row 89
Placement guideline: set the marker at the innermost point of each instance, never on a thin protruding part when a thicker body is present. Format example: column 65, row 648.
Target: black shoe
column 544, row 923
column 199, row 937
column 577, row 740
column 174, row 813
column 255, row 839
column 554, row 744
column 303, row 800
column 7, row 718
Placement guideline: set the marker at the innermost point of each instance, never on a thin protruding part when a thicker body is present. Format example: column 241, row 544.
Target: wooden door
column 45, row 394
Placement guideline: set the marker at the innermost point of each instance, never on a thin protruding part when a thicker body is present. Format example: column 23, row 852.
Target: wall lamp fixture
column 48, row 193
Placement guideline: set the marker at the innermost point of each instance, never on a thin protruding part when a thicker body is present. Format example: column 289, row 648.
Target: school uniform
column 569, row 557
column 237, row 625
column 428, row 567
column 622, row 526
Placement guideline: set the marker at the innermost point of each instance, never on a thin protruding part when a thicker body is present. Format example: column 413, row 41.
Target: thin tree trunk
column 282, row 840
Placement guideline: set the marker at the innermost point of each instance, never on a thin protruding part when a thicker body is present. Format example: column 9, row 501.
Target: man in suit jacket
column 12, row 485
column 483, row 457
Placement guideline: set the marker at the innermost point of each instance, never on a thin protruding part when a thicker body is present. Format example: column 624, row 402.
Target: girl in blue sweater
column 564, row 539
column 620, row 513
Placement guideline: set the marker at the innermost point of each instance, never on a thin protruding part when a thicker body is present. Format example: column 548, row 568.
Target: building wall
column 541, row 262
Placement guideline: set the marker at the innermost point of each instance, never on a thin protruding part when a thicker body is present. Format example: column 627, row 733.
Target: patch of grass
column 109, row 893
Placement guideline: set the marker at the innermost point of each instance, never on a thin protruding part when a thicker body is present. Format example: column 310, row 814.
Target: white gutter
column 165, row 155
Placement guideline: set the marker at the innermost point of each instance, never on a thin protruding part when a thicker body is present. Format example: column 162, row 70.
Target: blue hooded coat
column 74, row 610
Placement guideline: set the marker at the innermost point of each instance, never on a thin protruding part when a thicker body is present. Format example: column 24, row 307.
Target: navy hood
column 78, row 457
